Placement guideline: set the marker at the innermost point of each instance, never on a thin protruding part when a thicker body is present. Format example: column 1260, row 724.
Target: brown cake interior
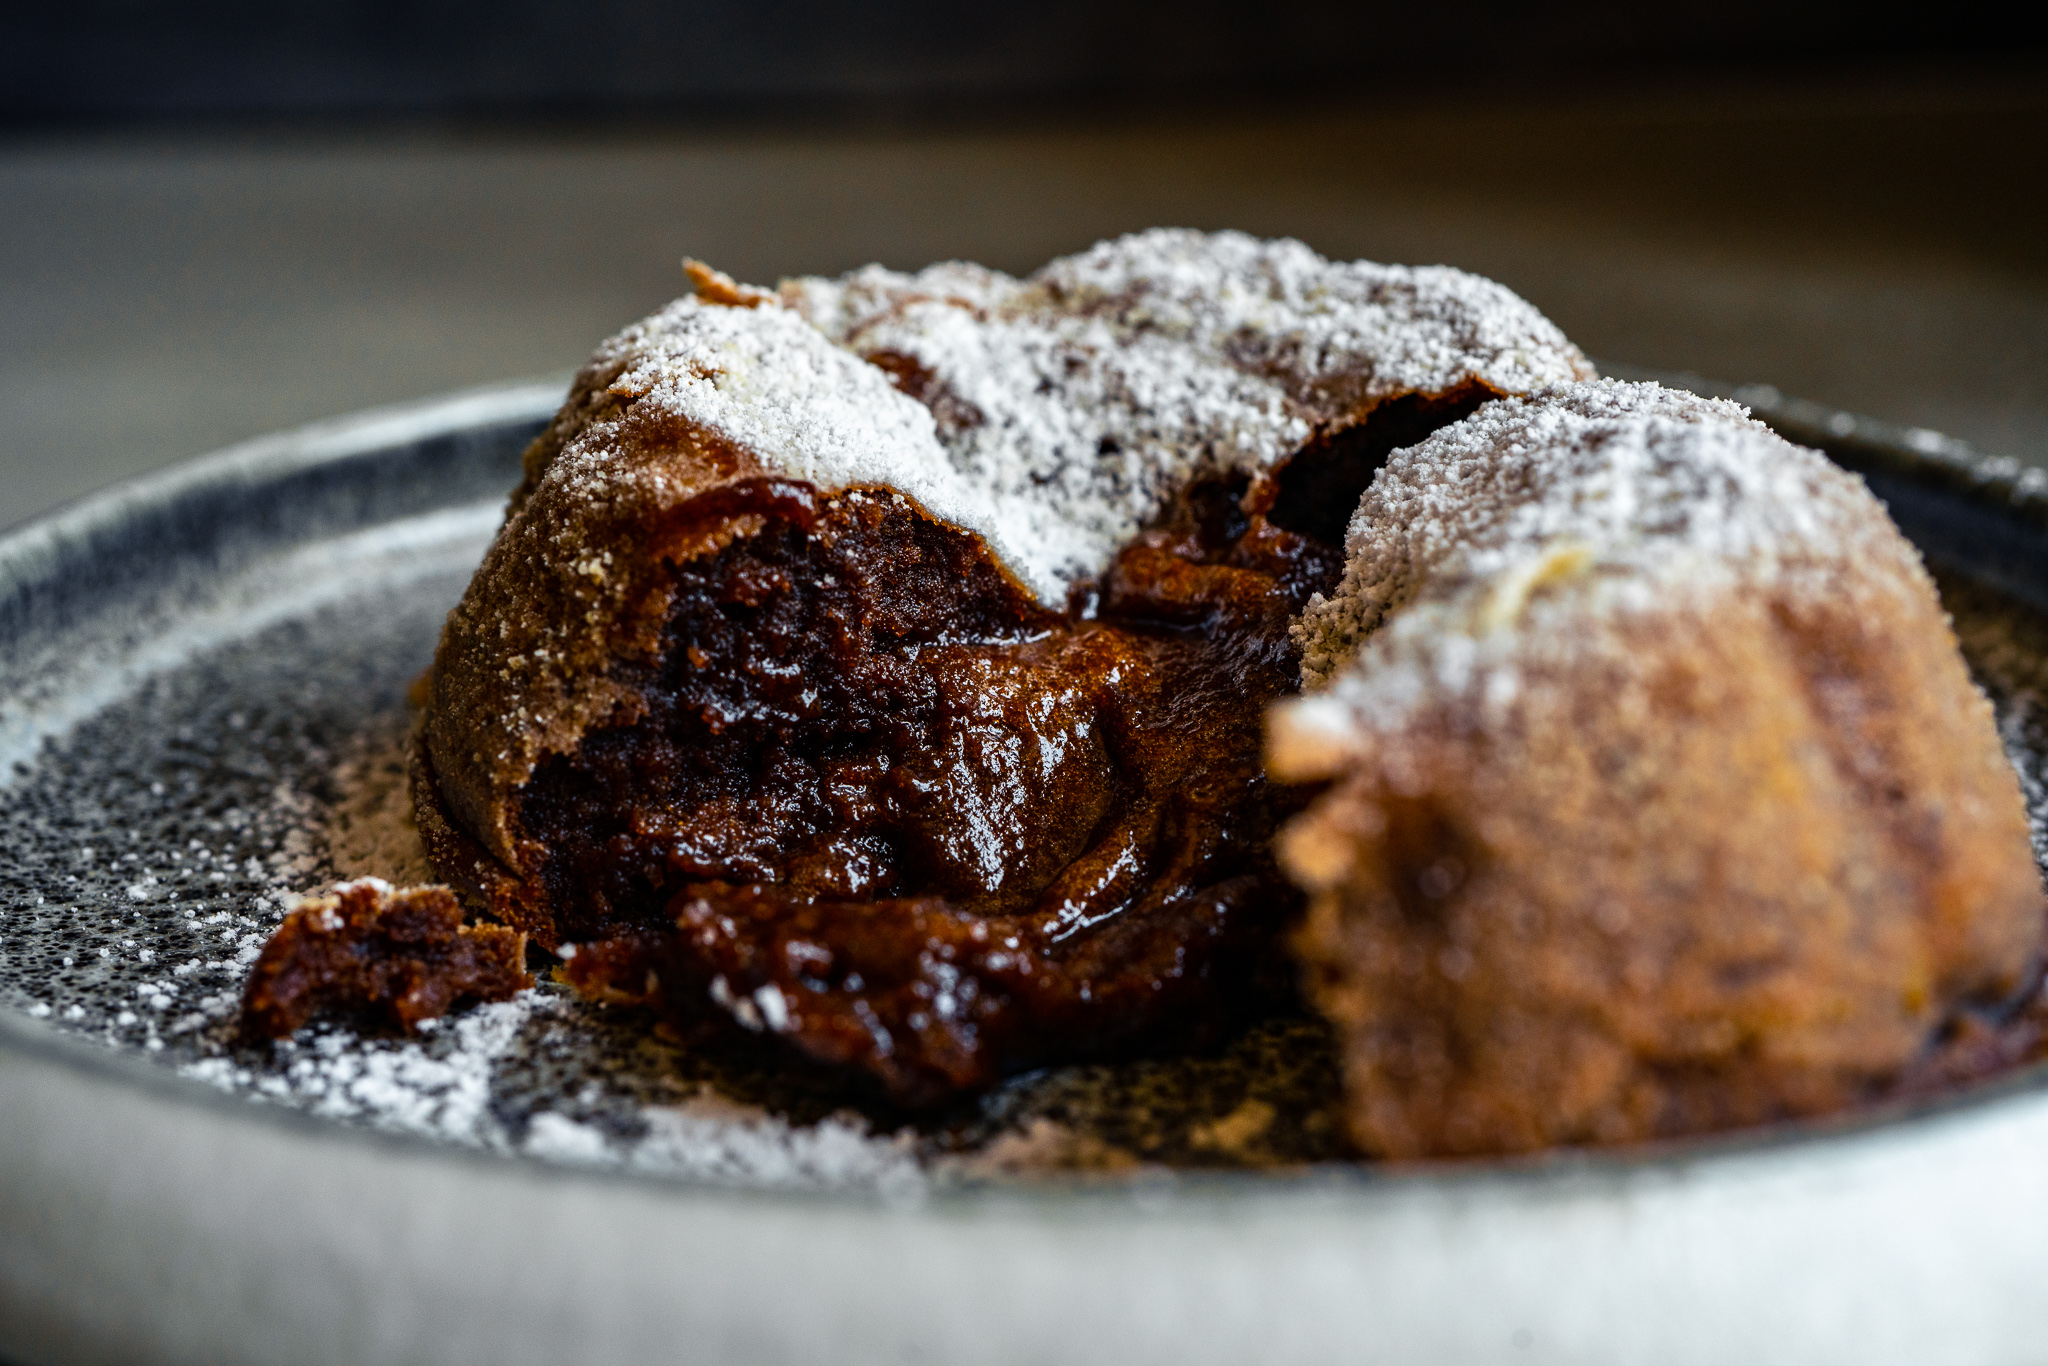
column 875, row 799
column 380, row 955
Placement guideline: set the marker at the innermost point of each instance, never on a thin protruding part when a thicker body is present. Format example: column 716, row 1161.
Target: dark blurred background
column 221, row 218
column 237, row 57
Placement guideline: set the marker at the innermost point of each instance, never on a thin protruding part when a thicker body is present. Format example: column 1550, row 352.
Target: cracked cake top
column 1055, row 416
column 1082, row 397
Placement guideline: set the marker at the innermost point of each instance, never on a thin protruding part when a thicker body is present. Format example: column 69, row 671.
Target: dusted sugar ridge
column 1661, row 799
column 1083, row 398
column 885, row 670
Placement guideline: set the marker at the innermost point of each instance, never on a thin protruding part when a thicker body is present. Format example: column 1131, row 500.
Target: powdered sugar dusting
column 710, row 1138
column 1083, row 397
column 761, row 380
column 397, row 1086
column 1555, row 511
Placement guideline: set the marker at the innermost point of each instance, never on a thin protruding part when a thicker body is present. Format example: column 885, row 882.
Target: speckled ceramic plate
column 201, row 699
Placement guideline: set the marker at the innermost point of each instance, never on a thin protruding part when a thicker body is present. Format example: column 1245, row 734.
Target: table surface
column 1874, row 242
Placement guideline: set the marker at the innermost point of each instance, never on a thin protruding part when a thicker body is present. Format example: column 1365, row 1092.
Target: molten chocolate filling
column 879, row 802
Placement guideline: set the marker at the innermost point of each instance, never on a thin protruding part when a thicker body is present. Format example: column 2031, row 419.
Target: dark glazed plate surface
column 201, row 690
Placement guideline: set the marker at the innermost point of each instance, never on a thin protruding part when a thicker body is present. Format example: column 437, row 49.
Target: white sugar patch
column 1084, row 397
column 1557, row 514
column 708, row 1138
column 393, row 1084
column 1065, row 409
column 764, row 381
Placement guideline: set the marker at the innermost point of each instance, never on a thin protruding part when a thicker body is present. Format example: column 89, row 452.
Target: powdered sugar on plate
column 153, row 849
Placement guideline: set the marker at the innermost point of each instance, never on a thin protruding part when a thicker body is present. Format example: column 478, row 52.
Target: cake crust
column 1661, row 799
